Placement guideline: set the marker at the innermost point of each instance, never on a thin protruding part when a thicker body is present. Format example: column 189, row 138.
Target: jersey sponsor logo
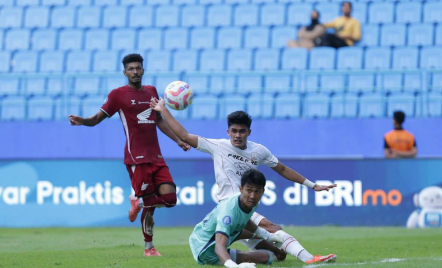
column 144, row 186
column 138, row 157
column 227, row 220
column 143, row 117
column 133, row 102
column 143, row 102
column 243, row 159
column 241, row 168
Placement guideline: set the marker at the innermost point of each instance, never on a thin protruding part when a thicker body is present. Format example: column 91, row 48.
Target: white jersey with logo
column 231, row 162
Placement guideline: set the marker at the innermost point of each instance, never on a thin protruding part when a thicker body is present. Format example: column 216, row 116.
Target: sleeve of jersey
column 268, row 158
column 224, row 221
column 207, row 145
column 110, row 106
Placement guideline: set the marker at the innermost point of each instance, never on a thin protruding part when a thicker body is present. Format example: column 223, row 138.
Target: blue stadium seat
column 405, row 58
column 434, row 101
column 359, row 12
column 229, row 37
column 141, row 16
column 78, row 61
column 86, row 86
column 371, row 105
column 157, row 2
column 185, row 2
column 393, row 35
column 13, row 108
column 1, row 38
column 159, row 60
column 277, row 83
column 225, row 84
column 439, row 35
column 54, row 86
column 105, row 2
column 123, row 39
column 206, row 2
column 25, row 62
column 239, row 60
column 307, row 83
column 266, row 59
column 7, row 3
column 332, row 83
column 41, row 108
column 17, row 39
column 89, row 17
column 402, row 101
column 219, row 15
column 163, row 80
column 199, row 82
column 299, row 14
column 97, row 39
column 370, row 35
column 63, row 17
column 281, row 34
column 344, row 105
column 294, row 59
column 433, row 12
column 412, row 82
column 167, row 16
column 11, row 17
column 150, row 39
column 176, row 38
column 287, row 106
column 261, row 105
column 316, row 106
column 420, row 35
column 249, row 83
column 114, row 16
column 34, row 86
column 112, row 82
column 273, row 15
column 70, row 39
column 246, row 15
column 27, row 2
column 71, row 106
column 9, row 86
column 91, row 105
column 328, row 11
column 5, row 61
column 350, row 58
column 361, row 82
column 231, row 103
column 105, row 61
column 431, row 57
column 181, row 115
column 205, row 107
column 53, row 2
column 390, row 82
column 185, row 60
column 212, row 60
column 322, row 58
column 52, row 61
column 80, row 2
column 256, row 37
column 408, row 12
column 377, row 58
column 381, row 13
column 202, row 38
column 44, row 39
column 193, row 15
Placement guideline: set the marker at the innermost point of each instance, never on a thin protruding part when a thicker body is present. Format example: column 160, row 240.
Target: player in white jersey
column 234, row 156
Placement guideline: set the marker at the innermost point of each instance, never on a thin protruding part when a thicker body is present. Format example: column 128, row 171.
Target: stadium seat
column 40, row 108
column 287, row 106
column 97, row 39
column 70, row 39
column 205, row 107
column 401, row 101
column 202, row 38
column 350, row 58
column 163, row 80
column 390, row 82
column 266, row 59
column 27, row 2
column 112, row 82
column 206, row 2
column 436, row 82
column 105, row 2
column 261, row 105
column 5, row 61
column 212, row 60
column 53, row 2
column 370, row 35
column 86, row 86
column 88, row 17
column 13, row 108
column 316, row 106
column 231, row 103
column 79, row 2
column 17, row 39
column 420, row 35
column 11, row 17
column 408, row 12
column 361, row 82
column 299, row 14
column 229, row 37
column 33, row 86
column 239, row 60
column 393, row 35
column 219, row 15
column 273, row 15
column 439, row 35
column 433, row 12
column 246, row 15
column 185, row 60
column 1, row 38
column 91, row 105
column 377, row 58
column 176, row 38
column 277, row 83
column 181, row 115
column 256, row 37
column 281, row 34
column 159, row 60
column 359, row 12
column 431, row 57
column 328, row 11
column 63, row 17
column 193, row 16
column 344, row 105
column 25, row 62
column 123, row 39
column 157, row 2
column 294, row 59
column 322, row 58
column 371, row 105
column 114, row 16
column 105, row 61
column 249, row 83
column 167, row 16
column 307, row 83
column 412, row 82
column 52, row 61
column 9, row 86
column 222, row 84
column 141, row 16
column 54, row 86
column 78, row 61
column 381, row 13
column 44, row 39
column 332, row 83
column 63, row 108
column 150, row 39
column 405, row 58
column 434, row 102
column 7, row 3
column 199, row 82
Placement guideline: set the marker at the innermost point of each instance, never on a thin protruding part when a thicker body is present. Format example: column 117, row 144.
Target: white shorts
column 251, row 243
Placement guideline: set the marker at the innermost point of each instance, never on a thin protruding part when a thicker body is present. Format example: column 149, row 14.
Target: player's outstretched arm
column 90, row 121
column 221, row 241
column 175, row 126
column 164, row 127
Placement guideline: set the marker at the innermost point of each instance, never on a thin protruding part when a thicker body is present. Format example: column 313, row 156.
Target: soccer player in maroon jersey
column 149, row 174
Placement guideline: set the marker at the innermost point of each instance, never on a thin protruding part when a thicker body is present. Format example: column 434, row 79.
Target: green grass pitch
column 123, row 247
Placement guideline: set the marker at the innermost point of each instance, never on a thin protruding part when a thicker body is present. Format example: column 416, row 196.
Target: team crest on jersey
column 133, row 102
column 227, row 220
column 142, row 117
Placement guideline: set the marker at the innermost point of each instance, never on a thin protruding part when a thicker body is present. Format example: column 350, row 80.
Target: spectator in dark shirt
column 308, row 34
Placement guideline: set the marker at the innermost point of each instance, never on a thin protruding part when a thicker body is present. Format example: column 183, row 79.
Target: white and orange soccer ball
column 178, row 95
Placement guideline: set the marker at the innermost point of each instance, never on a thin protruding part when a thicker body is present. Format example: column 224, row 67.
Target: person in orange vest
column 399, row 143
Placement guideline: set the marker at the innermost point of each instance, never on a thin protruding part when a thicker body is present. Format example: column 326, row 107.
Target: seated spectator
column 399, row 143
column 308, row 34
column 347, row 30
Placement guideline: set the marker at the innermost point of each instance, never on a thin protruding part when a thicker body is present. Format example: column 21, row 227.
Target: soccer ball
column 178, row 95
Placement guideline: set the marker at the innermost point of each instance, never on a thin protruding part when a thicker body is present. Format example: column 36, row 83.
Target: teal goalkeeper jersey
column 227, row 218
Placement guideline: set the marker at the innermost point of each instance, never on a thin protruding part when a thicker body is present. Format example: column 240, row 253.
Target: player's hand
column 247, row 265
column 75, row 120
column 277, row 237
column 186, row 147
column 157, row 104
column 319, row 188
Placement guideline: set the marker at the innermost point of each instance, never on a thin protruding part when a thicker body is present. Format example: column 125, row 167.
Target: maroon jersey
column 139, row 122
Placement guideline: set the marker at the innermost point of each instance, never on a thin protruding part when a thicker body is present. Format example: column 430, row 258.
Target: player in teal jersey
column 230, row 221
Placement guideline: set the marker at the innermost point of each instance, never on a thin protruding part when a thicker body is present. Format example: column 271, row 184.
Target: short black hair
column 399, row 117
column 239, row 118
column 253, row 176
column 347, row 2
column 132, row 58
